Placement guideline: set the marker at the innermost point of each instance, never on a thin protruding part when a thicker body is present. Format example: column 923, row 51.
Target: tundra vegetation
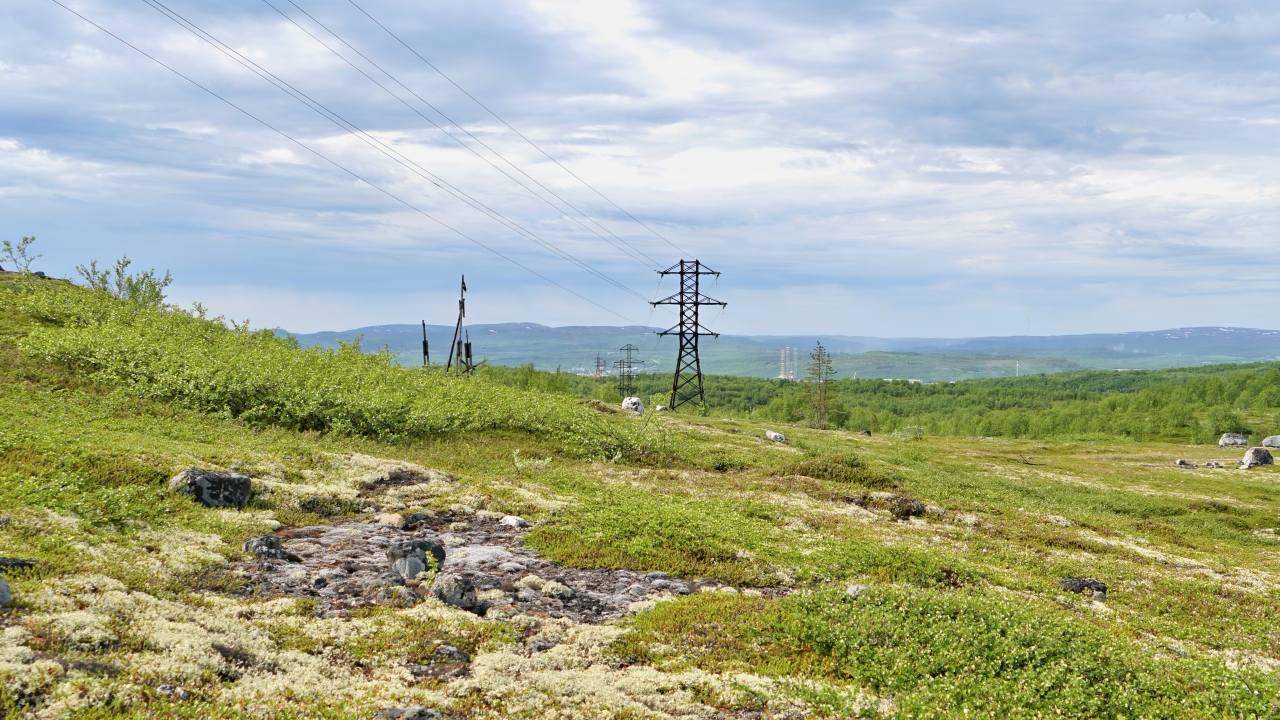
column 957, row 530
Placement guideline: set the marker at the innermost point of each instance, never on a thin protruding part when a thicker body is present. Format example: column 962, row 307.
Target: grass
column 964, row 612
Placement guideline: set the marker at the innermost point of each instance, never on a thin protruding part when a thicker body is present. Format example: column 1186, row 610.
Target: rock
column 16, row 563
column 1257, row 456
column 514, row 521
column 662, row 408
column 6, row 595
column 408, row 567
column 454, row 590
column 1081, row 584
column 1233, row 440
column 1183, row 463
column 452, row 654
column 656, row 575
column 418, row 549
column 395, row 520
column 264, row 546
column 214, row 489
column 867, row 433
column 634, row 404
column 538, row 645
column 903, row 507
column 173, row 691
column 417, row 519
column 1271, row 442
column 413, row 712
column 775, row 436
column 854, row 591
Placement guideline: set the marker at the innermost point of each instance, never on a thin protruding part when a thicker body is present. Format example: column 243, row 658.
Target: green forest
column 1180, row 404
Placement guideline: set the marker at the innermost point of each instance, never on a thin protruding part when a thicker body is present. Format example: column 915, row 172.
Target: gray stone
column 6, row 595
column 854, row 591
column 264, row 546
column 634, row 404
column 454, row 590
column 213, row 489
column 452, row 654
column 656, row 575
column 1082, row 584
column 775, row 436
column 413, row 712
column 867, row 433
column 903, row 507
column 1233, row 440
column 418, row 549
column 514, row 521
column 1271, row 442
column 1257, row 456
column 173, row 691
column 662, row 408
column 408, row 567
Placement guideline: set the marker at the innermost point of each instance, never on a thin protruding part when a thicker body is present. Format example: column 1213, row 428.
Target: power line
column 320, row 155
column 512, row 129
column 374, row 142
column 651, row 264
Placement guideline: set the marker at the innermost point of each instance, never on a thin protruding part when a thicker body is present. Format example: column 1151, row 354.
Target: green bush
column 183, row 357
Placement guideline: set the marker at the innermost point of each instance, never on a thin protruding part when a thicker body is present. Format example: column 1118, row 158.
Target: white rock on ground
column 634, row 404
column 1233, row 440
column 1272, row 442
column 513, row 521
column 775, row 436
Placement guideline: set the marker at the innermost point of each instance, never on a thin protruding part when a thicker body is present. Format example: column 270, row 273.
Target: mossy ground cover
column 963, row 611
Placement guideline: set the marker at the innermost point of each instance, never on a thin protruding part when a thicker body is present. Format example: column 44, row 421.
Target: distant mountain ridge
column 757, row 355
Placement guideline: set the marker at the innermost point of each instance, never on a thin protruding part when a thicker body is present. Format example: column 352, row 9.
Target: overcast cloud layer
column 911, row 169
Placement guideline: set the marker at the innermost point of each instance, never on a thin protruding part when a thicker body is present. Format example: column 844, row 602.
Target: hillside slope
column 140, row 602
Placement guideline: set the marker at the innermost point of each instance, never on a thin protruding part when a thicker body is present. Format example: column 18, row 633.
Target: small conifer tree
column 817, row 387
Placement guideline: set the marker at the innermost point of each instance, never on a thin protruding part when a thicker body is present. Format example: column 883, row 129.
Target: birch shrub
column 183, row 357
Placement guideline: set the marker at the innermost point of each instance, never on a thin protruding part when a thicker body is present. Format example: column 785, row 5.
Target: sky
column 935, row 169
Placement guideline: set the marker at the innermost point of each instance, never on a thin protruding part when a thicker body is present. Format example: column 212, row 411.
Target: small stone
column 633, row 404
column 264, row 546
column 1081, row 584
column 213, row 489
column 511, row 567
column 395, row 520
column 173, row 691
column 413, row 712
column 1182, row 463
column 656, row 575
column 454, row 590
column 1271, row 442
column 6, row 595
column 419, row 549
column 775, row 436
column 662, row 408
column 1257, row 456
column 408, row 567
column 854, row 591
column 452, row 654
column 867, row 433
column 903, row 507
column 417, row 519
column 1233, row 440
column 538, row 645
column 513, row 521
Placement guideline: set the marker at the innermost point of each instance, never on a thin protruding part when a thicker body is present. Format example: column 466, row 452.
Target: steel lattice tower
column 686, row 385
column 627, row 371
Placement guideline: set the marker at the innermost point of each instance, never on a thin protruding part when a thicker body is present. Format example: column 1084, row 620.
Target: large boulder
column 416, row 549
column 1272, row 442
column 633, row 404
column 455, row 590
column 1257, row 456
column 1233, row 440
column 212, row 488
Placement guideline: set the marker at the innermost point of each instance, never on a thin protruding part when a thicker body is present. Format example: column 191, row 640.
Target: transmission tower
column 686, row 385
column 627, row 371
column 459, row 350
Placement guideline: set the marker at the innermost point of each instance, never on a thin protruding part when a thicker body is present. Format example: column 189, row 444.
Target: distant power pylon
column 627, row 371
column 459, row 350
column 602, row 368
column 686, row 385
